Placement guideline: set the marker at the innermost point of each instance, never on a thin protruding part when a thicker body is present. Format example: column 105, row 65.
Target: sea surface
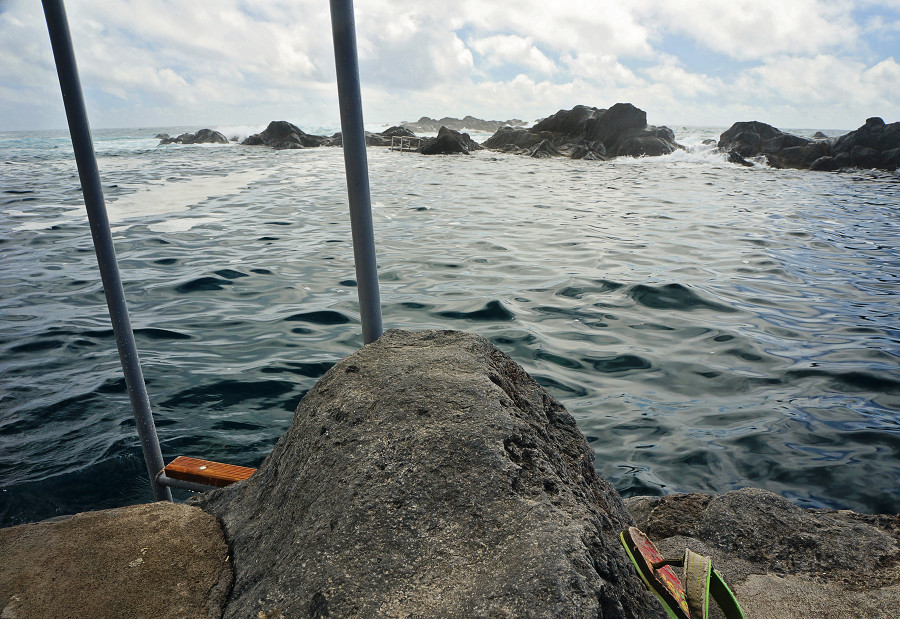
column 709, row 326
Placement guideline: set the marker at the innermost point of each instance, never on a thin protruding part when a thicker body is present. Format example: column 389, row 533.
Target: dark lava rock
column 782, row 560
column 469, row 123
column 734, row 157
column 870, row 146
column 382, row 138
column 588, row 133
column 204, row 136
column 281, row 134
column 449, row 142
column 428, row 475
column 824, row 164
column 818, row 135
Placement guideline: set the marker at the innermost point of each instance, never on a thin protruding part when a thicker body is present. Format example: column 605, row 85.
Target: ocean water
column 709, row 326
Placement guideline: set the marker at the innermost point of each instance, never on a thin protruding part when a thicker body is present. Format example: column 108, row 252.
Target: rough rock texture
column 588, row 133
column 427, row 475
column 159, row 560
column 204, row 136
column 874, row 145
column 469, row 123
column 449, row 142
column 281, row 134
column 782, row 560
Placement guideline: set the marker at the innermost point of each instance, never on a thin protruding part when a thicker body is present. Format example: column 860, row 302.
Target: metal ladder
column 184, row 472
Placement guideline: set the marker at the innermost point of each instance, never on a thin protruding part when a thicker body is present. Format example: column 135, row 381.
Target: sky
column 817, row 64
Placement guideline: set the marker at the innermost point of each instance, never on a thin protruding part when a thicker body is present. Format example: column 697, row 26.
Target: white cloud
column 510, row 49
column 170, row 62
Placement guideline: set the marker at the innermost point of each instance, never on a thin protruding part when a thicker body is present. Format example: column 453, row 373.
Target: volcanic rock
column 382, row 138
column 428, row 475
column 874, row 145
column 588, row 133
column 204, row 136
column 469, row 123
column 448, row 142
column 781, row 560
column 281, row 134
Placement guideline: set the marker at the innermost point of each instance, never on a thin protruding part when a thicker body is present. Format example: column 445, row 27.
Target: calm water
column 709, row 326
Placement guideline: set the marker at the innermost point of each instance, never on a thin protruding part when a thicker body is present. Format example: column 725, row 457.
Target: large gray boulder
column 160, row 560
column 428, row 475
column 781, row 560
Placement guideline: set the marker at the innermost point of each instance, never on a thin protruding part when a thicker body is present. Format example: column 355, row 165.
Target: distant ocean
column 709, row 326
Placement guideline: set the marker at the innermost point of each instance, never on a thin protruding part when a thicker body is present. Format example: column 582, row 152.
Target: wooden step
column 206, row 472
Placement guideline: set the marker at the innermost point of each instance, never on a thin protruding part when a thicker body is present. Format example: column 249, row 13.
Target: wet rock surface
column 154, row 560
column 204, row 136
column 874, row 145
column 449, row 142
column 588, row 133
column 428, row 475
column 779, row 559
column 280, row 134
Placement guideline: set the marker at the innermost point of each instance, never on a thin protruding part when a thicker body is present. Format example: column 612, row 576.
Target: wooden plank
column 206, row 472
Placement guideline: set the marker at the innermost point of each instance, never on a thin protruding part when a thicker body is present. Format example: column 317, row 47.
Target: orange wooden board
column 206, row 472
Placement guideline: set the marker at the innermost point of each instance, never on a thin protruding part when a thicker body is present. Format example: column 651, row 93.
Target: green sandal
column 701, row 580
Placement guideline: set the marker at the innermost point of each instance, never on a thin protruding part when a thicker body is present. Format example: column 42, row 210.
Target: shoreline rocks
column 588, row 133
column 428, row 475
column 282, row 135
column 781, row 560
column 203, row 136
column 469, row 123
column 874, row 145
column 449, row 142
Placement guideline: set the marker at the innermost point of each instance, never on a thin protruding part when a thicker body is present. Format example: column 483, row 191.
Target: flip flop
column 681, row 601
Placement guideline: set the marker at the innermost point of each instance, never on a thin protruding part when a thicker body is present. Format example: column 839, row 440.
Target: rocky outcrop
column 874, row 145
column 428, row 475
column 281, row 134
column 779, row 559
column 152, row 560
column 588, row 133
column 204, row 136
column 382, row 138
column 449, row 142
column 469, row 123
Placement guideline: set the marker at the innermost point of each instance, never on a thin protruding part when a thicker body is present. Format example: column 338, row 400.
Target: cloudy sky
column 823, row 64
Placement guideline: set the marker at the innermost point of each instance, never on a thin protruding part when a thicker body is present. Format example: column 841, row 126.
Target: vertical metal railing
column 343, row 29
column 80, row 131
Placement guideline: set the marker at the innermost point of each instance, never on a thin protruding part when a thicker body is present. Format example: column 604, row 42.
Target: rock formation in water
column 382, row 138
column 204, row 136
column 469, row 123
column 281, row 135
column 588, row 133
column 428, row 475
column 449, row 142
column 779, row 559
column 874, row 145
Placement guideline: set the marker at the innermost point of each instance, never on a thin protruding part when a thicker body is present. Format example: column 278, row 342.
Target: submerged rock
column 588, row 133
column 281, row 134
column 429, row 475
column 779, row 559
column 204, row 136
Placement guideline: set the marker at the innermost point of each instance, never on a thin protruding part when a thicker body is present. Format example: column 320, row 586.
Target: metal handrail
column 354, row 144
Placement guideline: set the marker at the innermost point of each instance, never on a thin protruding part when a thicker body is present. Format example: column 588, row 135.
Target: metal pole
column 343, row 30
column 80, row 132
